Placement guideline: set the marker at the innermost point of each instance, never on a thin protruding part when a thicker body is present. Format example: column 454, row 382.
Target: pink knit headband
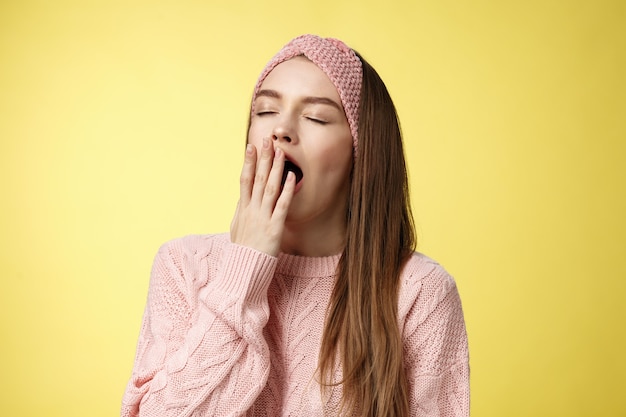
column 338, row 62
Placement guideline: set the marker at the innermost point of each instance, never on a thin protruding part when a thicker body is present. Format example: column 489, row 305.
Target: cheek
column 255, row 137
column 340, row 155
column 336, row 161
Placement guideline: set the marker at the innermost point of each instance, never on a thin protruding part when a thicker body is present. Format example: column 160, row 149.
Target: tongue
column 290, row 166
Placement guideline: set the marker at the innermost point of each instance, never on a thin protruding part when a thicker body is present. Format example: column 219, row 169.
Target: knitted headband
column 338, row 62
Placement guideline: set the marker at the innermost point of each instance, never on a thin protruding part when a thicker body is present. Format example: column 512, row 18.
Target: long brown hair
column 361, row 328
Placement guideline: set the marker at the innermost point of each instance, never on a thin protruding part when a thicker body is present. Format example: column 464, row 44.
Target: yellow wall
column 121, row 127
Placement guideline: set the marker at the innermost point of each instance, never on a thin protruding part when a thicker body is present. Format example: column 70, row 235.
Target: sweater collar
column 307, row 267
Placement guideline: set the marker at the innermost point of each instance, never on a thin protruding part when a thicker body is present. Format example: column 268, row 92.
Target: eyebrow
column 306, row 100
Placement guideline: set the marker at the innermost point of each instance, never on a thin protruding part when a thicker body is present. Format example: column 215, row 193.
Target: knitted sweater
column 230, row 331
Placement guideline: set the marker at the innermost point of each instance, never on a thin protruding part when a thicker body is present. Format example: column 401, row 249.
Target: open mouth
column 290, row 166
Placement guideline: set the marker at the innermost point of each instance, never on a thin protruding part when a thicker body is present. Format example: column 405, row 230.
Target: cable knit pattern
column 229, row 331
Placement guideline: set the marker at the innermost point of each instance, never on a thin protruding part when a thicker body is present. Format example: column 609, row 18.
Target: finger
column 263, row 168
column 246, row 180
column 284, row 200
column 272, row 188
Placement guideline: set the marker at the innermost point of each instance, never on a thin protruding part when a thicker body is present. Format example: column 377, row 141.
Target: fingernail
column 249, row 149
column 278, row 153
column 266, row 143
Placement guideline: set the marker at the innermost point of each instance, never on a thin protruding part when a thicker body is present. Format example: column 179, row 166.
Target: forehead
column 299, row 76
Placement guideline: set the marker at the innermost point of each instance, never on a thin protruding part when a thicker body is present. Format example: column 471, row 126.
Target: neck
column 312, row 241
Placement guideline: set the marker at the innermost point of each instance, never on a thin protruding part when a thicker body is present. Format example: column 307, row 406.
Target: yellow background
column 122, row 126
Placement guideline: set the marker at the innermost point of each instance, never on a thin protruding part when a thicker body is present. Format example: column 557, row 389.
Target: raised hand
column 259, row 220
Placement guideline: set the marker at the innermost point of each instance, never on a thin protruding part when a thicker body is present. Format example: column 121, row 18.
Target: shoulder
column 194, row 245
column 424, row 285
column 188, row 258
column 181, row 267
column 422, row 272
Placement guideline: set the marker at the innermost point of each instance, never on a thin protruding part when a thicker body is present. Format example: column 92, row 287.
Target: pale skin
column 297, row 115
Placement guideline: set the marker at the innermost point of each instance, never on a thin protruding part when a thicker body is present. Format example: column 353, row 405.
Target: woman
column 315, row 303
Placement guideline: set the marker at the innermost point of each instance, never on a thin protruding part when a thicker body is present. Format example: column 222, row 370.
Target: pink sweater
column 230, row 331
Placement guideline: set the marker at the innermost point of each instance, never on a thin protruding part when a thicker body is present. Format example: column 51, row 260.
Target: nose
column 284, row 131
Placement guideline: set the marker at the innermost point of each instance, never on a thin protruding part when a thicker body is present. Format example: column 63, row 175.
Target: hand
column 259, row 220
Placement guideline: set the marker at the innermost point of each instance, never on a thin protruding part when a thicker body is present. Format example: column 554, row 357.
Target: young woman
column 315, row 303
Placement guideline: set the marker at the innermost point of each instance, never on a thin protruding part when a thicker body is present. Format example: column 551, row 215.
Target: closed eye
column 265, row 113
column 318, row 121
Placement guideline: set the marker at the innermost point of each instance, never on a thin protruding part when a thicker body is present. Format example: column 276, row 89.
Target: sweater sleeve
column 201, row 349
column 436, row 348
